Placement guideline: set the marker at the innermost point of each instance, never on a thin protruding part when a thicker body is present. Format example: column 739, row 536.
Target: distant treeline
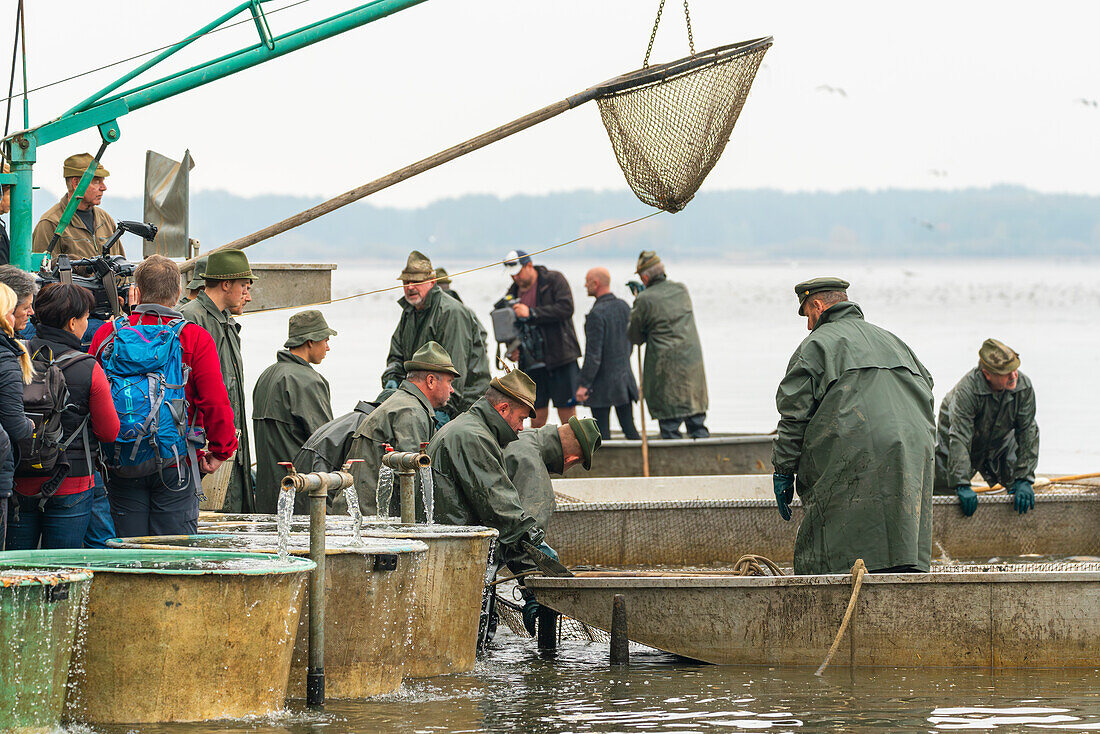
column 754, row 224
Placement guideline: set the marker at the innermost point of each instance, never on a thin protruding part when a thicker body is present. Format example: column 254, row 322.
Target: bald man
column 606, row 380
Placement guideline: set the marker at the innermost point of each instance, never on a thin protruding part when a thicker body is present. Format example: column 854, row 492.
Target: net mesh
column 668, row 133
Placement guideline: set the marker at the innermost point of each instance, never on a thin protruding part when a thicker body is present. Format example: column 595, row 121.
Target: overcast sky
column 938, row 94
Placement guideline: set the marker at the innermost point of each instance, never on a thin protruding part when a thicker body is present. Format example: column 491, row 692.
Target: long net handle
column 641, row 411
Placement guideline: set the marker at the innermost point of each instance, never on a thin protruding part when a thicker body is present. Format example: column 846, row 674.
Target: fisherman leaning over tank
column 444, row 282
column 291, row 400
column 529, row 461
column 856, row 427
column 196, row 285
column 227, row 284
column 428, row 314
column 673, row 381
column 326, row 448
column 606, row 380
column 542, row 298
column 404, row 420
column 987, row 424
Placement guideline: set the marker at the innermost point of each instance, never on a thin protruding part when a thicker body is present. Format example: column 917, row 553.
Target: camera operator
column 542, row 297
column 90, row 227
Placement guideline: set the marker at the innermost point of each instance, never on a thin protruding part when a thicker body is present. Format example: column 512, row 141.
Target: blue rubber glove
column 783, row 484
column 547, row 550
column 635, row 287
column 530, row 614
column 389, row 385
column 968, row 499
column 441, row 418
column 1025, row 495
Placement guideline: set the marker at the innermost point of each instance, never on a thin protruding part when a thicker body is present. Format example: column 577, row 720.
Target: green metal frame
column 103, row 108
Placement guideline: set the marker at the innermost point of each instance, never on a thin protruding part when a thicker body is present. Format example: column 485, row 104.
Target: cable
column 148, row 53
column 461, row 272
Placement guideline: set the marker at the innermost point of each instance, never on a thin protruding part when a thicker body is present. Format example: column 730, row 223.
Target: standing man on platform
column 90, row 226
column 429, row 314
column 673, row 380
column 856, row 428
column 291, row 400
column 227, row 283
column 606, row 380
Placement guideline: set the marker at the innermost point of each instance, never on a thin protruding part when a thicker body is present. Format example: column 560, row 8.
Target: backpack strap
column 104, row 352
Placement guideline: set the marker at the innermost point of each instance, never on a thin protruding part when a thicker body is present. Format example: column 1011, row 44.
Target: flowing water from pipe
column 285, row 513
column 427, row 490
column 351, row 497
column 384, row 492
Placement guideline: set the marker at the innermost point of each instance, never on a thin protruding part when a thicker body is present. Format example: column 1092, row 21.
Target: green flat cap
column 518, row 386
column 588, row 436
column 76, row 165
column 307, row 326
column 433, row 358
column 228, row 265
column 998, row 358
column 647, row 260
column 818, row 285
column 198, row 275
column 417, row 269
column 441, row 277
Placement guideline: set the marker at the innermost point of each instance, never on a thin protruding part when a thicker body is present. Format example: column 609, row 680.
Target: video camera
column 515, row 333
column 107, row 276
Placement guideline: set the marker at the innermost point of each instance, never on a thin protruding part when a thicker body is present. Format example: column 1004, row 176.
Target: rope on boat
column 858, row 570
column 751, row 564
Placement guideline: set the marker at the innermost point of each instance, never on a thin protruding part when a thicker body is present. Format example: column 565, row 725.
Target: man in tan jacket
column 90, row 226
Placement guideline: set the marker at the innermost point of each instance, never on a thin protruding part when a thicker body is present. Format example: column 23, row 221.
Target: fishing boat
column 1013, row 616
column 730, row 453
column 708, row 521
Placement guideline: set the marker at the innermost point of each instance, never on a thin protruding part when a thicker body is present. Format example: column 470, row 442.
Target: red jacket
column 207, row 400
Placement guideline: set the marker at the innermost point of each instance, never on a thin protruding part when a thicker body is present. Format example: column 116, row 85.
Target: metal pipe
column 620, row 644
column 408, row 497
column 405, row 464
column 406, row 460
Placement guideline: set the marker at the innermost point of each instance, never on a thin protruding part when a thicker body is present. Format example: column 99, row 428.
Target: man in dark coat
column 543, row 299
column 606, row 379
column 856, row 428
column 291, row 400
column 987, row 424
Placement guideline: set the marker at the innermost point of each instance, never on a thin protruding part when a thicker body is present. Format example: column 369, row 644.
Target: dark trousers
column 624, row 413
column 151, row 505
column 61, row 524
column 101, row 527
column 670, row 427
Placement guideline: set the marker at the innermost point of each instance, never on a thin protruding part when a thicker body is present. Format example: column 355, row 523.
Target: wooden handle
column 641, row 406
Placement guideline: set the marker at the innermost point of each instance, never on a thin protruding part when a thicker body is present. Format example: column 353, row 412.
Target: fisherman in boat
column 987, row 424
column 404, row 420
column 196, row 284
column 228, row 280
column 290, row 401
column 444, row 282
column 90, row 226
column 673, row 381
column 428, row 314
column 856, row 428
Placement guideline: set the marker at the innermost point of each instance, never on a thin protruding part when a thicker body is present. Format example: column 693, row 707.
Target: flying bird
column 937, row 172
column 1087, row 102
column 831, row 90
column 925, row 223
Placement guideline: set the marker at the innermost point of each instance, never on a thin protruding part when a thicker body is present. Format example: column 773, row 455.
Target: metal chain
column 687, row 17
column 653, row 35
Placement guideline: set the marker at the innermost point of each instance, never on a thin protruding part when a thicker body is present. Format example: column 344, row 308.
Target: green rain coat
column 291, row 400
column 326, row 448
column 994, row 433
column 240, row 497
column 856, row 427
column 456, row 328
column 471, row 484
column 403, row 420
column 529, row 461
column 673, row 381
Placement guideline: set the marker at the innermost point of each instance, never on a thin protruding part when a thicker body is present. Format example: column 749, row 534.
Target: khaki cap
column 441, row 277
column 998, row 358
column 228, row 265
column 647, row 260
column 307, row 326
column 432, row 357
column 76, row 165
column 588, row 436
column 518, row 386
column 418, row 268
column 817, row 285
column 198, row 275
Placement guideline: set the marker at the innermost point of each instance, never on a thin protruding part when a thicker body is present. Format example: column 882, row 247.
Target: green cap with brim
column 518, row 386
column 998, row 358
column 647, row 260
column 432, row 357
column 817, row 285
column 228, row 265
column 588, row 436
column 307, row 326
column 418, row 268
column 76, row 165
column 198, row 279
column 441, row 277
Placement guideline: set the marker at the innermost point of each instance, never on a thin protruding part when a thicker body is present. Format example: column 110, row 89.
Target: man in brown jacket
column 90, row 226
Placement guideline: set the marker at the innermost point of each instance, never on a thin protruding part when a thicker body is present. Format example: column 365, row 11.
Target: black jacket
column 606, row 372
column 5, row 245
column 78, row 379
column 12, row 418
column 553, row 314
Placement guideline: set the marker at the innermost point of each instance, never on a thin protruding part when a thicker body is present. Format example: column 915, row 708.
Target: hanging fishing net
column 669, row 124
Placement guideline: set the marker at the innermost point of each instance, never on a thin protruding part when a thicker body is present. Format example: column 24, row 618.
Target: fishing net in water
column 669, row 124
column 568, row 628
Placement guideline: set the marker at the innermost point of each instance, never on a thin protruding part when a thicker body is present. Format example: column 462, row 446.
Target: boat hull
column 739, row 454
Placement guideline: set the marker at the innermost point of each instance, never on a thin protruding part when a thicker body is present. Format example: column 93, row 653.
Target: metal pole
column 408, row 497
column 315, row 673
column 641, row 409
column 406, row 464
column 22, row 221
column 620, row 644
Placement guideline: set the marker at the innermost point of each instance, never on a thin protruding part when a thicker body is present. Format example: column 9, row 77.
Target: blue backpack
column 144, row 364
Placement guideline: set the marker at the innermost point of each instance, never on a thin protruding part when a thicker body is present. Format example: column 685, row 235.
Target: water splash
column 285, row 513
column 427, row 490
column 351, row 497
column 385, row 490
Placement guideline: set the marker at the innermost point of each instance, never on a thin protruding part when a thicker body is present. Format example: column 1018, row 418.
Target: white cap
column 515, row 260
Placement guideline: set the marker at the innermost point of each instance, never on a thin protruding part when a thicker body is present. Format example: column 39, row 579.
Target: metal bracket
column 109, row 131
column 59, row 593
column 385, row 562
column 261, row 25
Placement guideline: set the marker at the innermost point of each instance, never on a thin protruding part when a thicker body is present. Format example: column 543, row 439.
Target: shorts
column 558, row 384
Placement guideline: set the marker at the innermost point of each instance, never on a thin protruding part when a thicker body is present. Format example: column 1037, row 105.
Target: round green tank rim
column 20, row 576
column 372, row 546
column 110, row 560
